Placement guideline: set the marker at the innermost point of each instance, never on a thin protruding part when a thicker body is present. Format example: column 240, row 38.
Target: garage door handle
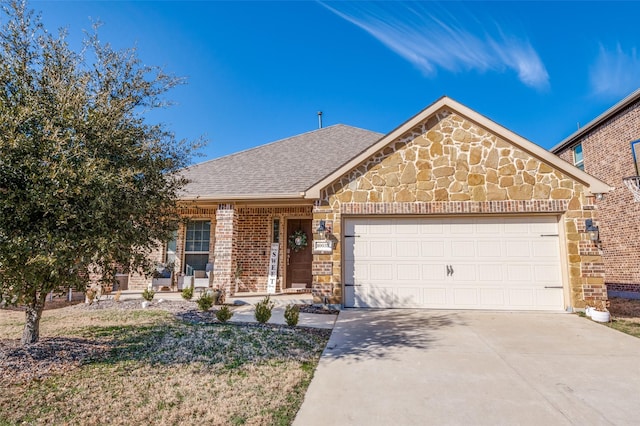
column 549, row 235
column 553, row 286
column 449, row 270
column 353, row 285
column 352, row 236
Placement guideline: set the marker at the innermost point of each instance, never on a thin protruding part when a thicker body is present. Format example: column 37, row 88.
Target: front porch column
column 225, row 248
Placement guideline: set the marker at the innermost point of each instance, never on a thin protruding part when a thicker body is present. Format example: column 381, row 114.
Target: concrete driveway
column 411, row 367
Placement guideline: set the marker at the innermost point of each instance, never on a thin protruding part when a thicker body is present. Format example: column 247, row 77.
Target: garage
column 494, row 263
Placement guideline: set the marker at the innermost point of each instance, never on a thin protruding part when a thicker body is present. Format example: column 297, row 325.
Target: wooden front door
column 299, row 262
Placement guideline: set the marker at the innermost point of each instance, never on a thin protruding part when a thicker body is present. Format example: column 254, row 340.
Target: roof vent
column 319, row 119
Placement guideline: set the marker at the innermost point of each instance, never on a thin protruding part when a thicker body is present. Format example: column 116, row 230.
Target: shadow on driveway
column 380, row 333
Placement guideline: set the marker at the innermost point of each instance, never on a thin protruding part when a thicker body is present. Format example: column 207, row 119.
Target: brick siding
column 607, row 155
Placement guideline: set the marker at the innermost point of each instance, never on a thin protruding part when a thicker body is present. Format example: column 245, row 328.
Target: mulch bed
column 49, row 356
column 313, row 309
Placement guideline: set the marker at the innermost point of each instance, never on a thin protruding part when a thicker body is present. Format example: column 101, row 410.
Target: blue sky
column 259, row 71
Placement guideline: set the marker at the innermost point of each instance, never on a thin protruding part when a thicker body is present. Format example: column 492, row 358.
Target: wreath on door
column 298, row 240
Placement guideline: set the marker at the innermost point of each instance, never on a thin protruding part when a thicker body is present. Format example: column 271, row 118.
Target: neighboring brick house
column 449, row 210
column 603, row 148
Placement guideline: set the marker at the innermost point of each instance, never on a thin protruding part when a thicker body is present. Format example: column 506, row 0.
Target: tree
column 86, row 183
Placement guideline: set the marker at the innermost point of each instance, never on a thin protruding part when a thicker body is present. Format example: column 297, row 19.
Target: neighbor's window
column 578, row 160
column 196, row 246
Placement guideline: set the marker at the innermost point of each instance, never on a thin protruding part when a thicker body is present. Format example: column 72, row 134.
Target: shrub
column 187, row 293
column 148, row 295
column 224, row 314
column 263, row 310
column 292, row 315
column 205, row 301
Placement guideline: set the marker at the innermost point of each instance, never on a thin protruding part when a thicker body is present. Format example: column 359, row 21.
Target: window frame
column 578, row 163
column 199, row 241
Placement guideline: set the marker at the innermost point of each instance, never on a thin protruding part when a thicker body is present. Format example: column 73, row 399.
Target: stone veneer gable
column 450, row 165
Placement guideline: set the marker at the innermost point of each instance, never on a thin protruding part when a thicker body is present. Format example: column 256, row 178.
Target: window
column 170, row 252
column 635, row 151
column 196, row 246
column 578, row 160
column 276, row 231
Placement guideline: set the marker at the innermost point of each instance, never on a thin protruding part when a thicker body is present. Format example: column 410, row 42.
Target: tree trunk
column 33, row 313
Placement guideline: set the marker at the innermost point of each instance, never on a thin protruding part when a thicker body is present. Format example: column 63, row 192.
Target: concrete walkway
column 410, row 367
column 245, row 307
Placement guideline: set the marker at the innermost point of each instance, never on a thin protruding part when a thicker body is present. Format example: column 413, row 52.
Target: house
column 449, row 210
column 607, row 148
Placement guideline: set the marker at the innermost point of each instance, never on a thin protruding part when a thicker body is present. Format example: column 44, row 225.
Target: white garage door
column 509, row 263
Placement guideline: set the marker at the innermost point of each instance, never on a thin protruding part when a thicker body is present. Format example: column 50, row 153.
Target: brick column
column 225, row 248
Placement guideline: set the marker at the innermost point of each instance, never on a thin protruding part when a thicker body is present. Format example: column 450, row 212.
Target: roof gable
column 594, row 185
column 614, row 110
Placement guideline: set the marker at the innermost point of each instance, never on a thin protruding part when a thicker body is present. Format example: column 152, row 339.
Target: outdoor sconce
column 322, row 230
column 593, row 230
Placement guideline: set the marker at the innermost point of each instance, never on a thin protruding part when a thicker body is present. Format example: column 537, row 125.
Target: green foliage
column 205, row 301
column 187, row 293
column 224, row 314
column 263, row 310
column 148, row 294
column 87, row 183
column 292, row 315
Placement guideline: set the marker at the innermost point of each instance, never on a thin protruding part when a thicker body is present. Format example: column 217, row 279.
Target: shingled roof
column 281, row 169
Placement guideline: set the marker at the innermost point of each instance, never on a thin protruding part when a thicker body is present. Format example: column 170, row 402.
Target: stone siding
column 607, row 155
column 449, row 165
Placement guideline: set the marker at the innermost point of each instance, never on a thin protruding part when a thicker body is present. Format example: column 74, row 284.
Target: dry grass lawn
column 625, row 315
column 124, row 367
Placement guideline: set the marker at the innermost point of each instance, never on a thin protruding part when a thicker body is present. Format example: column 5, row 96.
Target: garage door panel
column 404, row 227
column 463, row 249
column 429, row 228
column 406, row 248
column 546, row 273
column 433, row 272
column 488, row 227
column 543, row 227
column 516, row 226
column 517, row 248
column 546, row 249
column 548, row 297
column 410, row 297
column 492, row 297
column 490, row 272
column 380, row 228
column 465, row 297
column 464, row 272
column 519, row 273
column 380, row 248
column 376, row 297
column 408, row 272
column 435, row 297
column 489, row 248
column 433, row 249
column 521, row 298
column 378, row 272
column 469, row 263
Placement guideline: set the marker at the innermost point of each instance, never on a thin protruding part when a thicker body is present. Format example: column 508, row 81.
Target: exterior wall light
column 593, row 230
column 322, row 230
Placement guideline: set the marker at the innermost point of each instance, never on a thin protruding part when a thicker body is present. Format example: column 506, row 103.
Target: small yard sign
column 273, row 268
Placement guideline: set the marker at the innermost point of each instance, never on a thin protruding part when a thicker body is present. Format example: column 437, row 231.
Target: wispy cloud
column 431, row 38
column 615, row 73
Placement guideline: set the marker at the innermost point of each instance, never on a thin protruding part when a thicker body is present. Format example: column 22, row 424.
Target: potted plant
column 598, row 312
